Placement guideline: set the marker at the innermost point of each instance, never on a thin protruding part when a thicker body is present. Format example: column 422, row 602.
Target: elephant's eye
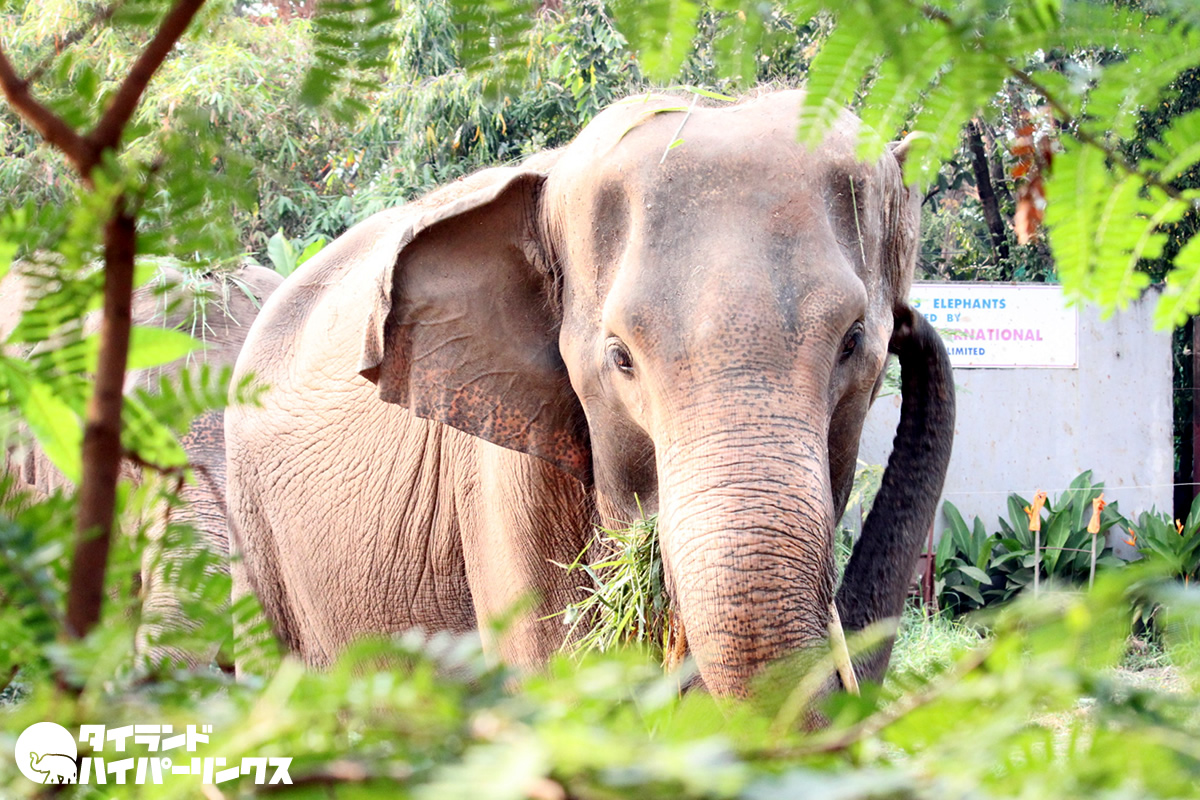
column 853, row 339
column 618, row 356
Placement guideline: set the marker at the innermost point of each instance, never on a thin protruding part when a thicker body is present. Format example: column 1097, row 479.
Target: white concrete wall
column 1028, row 429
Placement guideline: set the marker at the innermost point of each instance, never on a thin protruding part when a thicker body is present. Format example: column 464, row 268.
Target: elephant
column 684, row 311
column 56, row 767
column 216, row 308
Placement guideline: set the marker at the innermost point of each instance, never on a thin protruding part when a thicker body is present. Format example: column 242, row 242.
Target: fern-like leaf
column 1181, row 297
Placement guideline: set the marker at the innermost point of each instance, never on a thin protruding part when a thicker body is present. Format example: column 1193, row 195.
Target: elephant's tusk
column 841, row 653
column 676, row 648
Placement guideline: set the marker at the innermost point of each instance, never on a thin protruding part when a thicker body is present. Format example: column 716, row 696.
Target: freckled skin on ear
column 461, row 388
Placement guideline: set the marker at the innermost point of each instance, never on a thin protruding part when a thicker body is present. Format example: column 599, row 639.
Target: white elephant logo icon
column 46, row 753
column 57, row 767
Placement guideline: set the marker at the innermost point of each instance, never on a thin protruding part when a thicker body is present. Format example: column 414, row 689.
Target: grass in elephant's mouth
column 627, row 600
column 627, row 603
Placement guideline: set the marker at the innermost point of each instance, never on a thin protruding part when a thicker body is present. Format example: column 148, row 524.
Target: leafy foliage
column 1173, row 545
column 1066, row 542
column 286, row 256
column 975, row 568
column 230, row 99
column 429, row 717
column 961, row 562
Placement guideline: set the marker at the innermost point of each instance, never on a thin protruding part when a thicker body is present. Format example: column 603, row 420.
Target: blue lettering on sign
column 991, row 304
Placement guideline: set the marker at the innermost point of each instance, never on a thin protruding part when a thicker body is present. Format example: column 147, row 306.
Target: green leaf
column 969, row 591
column 1181, row 297
column 8, row 250
column 836, row 74
column 310, row 251
column 1055, row 536
column 57, row 428
column 282, row 254
column 946, row 544
column 151, row 346
column 975, row 572
column 986, row 544
column 1192, row 524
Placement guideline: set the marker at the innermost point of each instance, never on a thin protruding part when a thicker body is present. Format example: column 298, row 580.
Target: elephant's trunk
column 881, row 568
column 746, row 520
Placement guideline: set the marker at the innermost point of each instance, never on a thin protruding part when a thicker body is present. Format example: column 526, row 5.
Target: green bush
column 975, row 568
column 1175, row 546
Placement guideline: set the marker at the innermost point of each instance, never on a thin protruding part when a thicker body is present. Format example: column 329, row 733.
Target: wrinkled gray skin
column 221, row 321
column 461, row 387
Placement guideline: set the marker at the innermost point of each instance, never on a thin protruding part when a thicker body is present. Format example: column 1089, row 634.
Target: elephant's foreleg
column 523, row 517
column 881, row 568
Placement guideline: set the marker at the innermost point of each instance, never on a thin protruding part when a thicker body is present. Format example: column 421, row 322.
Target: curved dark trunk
column 881, row 568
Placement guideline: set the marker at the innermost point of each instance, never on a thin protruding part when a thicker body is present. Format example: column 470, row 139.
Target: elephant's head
column 685, row 308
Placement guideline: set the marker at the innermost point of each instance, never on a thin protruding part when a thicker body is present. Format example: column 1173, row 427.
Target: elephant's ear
column 463, row 330
column 902, row 221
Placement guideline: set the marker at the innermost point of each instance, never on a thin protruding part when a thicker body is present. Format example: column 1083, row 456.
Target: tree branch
column 107, row 133
column 12, row 676
column 102, row 431
column 1077, row 130
column 1064, row 115
column 49, row 125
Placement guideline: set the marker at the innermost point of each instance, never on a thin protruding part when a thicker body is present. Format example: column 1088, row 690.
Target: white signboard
column 998, row 325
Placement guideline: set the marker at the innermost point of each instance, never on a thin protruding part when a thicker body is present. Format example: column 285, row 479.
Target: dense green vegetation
column 977, row 567
column 313, row 170
column 265, row 125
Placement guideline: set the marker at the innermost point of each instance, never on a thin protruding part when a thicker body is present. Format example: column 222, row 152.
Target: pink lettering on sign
column 1001, row 334
column 994, row 334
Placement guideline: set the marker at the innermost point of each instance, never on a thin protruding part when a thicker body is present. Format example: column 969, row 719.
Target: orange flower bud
column 1132, row 540
column 1035, row 513
column 1097, row 506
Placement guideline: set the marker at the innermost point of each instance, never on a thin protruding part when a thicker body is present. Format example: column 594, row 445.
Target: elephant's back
column 216, row 308
column 315, row 314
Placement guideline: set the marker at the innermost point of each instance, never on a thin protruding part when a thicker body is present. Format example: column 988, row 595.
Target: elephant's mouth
column 676, row 652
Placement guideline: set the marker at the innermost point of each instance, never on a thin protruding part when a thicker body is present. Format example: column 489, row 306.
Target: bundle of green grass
column 627, row 601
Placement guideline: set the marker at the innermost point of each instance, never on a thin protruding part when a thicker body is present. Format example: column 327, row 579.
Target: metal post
column 1037, row 560
column 1195, row 414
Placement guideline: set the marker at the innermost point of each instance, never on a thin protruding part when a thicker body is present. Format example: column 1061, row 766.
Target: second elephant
column 218, row 309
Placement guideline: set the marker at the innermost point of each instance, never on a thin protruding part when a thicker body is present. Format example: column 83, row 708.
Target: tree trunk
column 102, row 434
column 999, row 180
column 987, row 195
